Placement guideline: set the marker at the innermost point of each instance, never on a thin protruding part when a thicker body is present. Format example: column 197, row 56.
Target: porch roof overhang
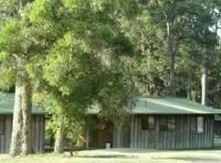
column 166, row 106
column 7, row 105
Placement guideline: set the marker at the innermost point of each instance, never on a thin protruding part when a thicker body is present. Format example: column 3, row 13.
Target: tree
column 149, row 62
column 86, row 56
column 15, row 45
column 65, row 127
column 181, row 20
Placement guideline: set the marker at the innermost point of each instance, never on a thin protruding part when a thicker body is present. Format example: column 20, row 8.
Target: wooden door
column 105, row 135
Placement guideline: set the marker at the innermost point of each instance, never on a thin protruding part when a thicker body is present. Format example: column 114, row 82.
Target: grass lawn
column 51, row 158
column 120, row 155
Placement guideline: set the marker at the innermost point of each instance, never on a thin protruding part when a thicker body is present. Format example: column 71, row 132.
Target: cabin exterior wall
column 121, row 136
column 6, row 132
column 181, row 138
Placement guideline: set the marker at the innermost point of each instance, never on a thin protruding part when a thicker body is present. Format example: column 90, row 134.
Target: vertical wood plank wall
column 37, row 133
column 121, row 136
column 181, row 138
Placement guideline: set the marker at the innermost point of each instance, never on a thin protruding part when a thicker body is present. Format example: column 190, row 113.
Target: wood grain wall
column 37, row 133
column 181, row 138
column 121, row 136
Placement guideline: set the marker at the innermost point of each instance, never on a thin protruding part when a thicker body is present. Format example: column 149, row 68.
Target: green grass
column 52, row 158
column 120, row 156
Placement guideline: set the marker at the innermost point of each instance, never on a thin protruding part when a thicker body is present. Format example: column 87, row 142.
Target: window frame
column 145, row 122
column 165, row 123
column 151, row 125
column 194, row 124
column 173, row 129
column 200, row 129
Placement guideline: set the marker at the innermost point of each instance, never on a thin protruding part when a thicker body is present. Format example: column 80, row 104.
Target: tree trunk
column 204, row 86
column 59, row 141
column 170, row 53
column 15, row 147
column 21, row 130
column 189, row 88
column 26, row 118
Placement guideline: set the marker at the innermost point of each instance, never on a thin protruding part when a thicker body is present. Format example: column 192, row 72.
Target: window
column 200, row 125
column 2, row 125
column 151, row 122
column 148, row 122
column 144, row 122
column 193, row 124
column 171, row 123
column 167, row 123
column 163, row 124
column 197, row 124
column 179, row 124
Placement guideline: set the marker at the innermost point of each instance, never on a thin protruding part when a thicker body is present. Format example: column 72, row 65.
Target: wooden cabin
column 6, row 116
column 158, row 123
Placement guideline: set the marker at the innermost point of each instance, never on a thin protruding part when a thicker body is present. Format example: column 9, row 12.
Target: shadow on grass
column 192, row 159
column 104, row 156
column 130, row 150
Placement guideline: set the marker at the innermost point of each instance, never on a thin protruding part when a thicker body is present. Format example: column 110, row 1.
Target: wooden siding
column 37, row 133
column 38, row 125
column 121, row 138
column 181, row 138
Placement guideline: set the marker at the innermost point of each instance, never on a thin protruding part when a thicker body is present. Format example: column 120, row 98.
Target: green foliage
column 12, row 37
column 193, row 40
column 70, row 125
column 87, row 53
column 105, row 53
column 72, row 72
column 112, row 30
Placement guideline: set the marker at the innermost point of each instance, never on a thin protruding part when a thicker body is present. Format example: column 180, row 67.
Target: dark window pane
column 193, row 124
column 163, row 123
column 179, row 127
column 144, row 122
column 171, row 123
column 147, row 122
column 151, row 122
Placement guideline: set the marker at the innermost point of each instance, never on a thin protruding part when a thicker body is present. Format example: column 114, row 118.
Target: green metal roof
column 171, row 106
column 7, row 105
column 167, row 105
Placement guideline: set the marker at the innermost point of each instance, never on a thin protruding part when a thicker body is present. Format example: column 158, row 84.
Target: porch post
column 87, row 138
column 118, row 136
column 131, row 143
